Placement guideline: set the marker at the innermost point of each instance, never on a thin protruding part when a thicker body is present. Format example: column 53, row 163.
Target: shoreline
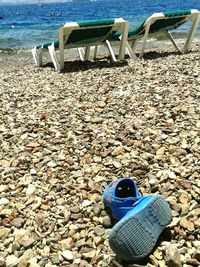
column 24, row 56
column 179, row 37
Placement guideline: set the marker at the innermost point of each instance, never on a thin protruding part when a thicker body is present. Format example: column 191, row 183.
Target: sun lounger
column 159, row 23
column 81, row 35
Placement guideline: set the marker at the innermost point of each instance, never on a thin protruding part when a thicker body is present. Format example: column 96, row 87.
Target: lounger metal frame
column 83, row 49
column 132, row 40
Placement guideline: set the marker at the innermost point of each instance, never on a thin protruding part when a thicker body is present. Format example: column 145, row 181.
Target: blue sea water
column 27, row 25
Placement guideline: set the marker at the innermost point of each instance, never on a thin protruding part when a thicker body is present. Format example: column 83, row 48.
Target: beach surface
column 65, row 136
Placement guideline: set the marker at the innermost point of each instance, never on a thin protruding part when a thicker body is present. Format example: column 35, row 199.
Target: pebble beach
column 65, row 136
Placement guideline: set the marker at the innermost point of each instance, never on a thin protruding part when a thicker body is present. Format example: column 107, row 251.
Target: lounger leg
column 145, row 39
column 143, row 47
column 173, row 41
column 53, row 56
column 87, row 53
column 60, row 67
column 37, row 56
column 133, row 44
column 95, row 51
column 111, row 51
column 195, row 22
column 61, row 60
column 130, row 51
column 123, row 42
column 81, row 53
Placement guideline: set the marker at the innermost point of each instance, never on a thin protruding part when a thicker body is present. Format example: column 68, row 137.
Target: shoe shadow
column 121, row 263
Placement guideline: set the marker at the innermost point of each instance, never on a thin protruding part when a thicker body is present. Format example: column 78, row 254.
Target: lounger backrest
column 164, row 21
column 91, row 32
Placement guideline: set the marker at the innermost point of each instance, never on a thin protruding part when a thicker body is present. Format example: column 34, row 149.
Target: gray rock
column 28, row 254
column 196, row 255
column 107, row 222
column 99, row 230
column 96, row 209
column 172, row 256
column 2, row 262
column 12, row 261
column 17, row 222
column 4, row 232
column 3, row 201
column 55, row 260
column 68, row 255
column 80, row 243
column 15, row 246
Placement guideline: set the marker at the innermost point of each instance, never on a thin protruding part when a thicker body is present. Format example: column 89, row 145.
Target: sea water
column 30, row 24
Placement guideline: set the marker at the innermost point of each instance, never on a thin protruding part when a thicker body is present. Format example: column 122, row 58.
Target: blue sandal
column 136, row 234
column 120, row 196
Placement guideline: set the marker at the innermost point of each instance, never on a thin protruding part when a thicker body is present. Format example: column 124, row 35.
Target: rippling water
column 26, row 25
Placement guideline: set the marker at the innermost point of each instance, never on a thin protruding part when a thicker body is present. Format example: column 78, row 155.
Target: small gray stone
column 2, row 262
column 80, row 243
column 99, row 230
column 28, row 254
column 12, row 261
column 89, row 255
column 55, row 260
column 67, row 254
column 153, row 181
column 196, row 244
column 96, row 209
column 43, row 262
column 17, row 222
column 26, row 241
column 3, row 188
column 196, row 255
column 107, row 222
column 172, row 256
column 15, row 246
column 4, row 232
column 3, row 201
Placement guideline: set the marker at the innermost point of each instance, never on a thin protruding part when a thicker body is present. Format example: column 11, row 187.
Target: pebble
column 107, row 222
column 33, row 171
column 55, row 260
column 15, row 246
column 3, row 188
column 68, row 255
column 22, row 262
column 3, row 201
column 96, row 209
column 187, row 224
column 17, row 222
column 196, row 254
column 26, row 241
column 196, row 244
column 158, row 254
column 28, row 254
column 90, row 254
column 86, row 203
column 99, row 230
column 30, row 190
column 172, row 256
column 65, row 136
column 4, row 232
column 12, row 261
column 81, row 243
column 2, row 262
